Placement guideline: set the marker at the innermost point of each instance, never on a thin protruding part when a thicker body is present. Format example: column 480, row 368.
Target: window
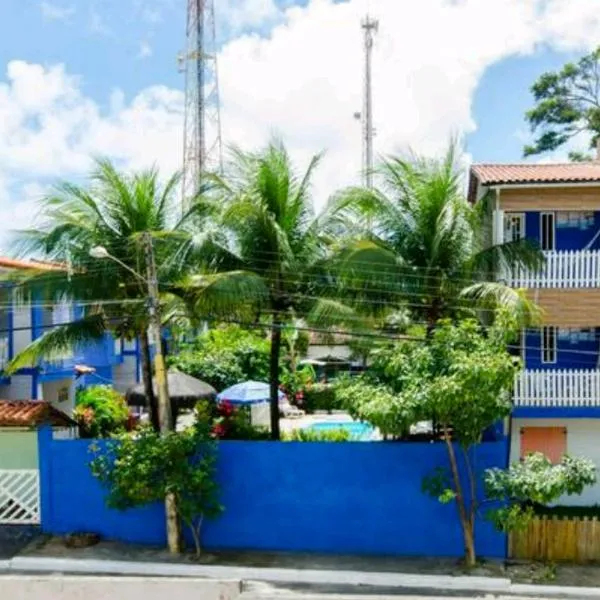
column 549, row 335
column 514, row 227
column 547, row 233
column 550, row 441
column 63, row 394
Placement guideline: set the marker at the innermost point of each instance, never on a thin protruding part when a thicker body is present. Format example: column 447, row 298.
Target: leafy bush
column 534, row 481
column 228, row 422
column 320, row 396
column 314, row 435
column 142, row 470
column 100, row 411
column 225, row 356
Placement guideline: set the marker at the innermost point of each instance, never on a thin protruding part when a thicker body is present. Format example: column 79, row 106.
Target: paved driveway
column 13, row 538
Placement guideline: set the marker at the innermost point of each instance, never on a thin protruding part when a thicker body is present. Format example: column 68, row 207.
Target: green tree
column 459, row 378
column 567, row 103
column 269, row 260
column 113, row 210
column 142, row 470
column 415, row 242
column 224, row 356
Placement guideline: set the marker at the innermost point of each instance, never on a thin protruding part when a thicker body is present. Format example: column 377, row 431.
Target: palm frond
column 225, row 294
column 56, row 342
column 492, row 296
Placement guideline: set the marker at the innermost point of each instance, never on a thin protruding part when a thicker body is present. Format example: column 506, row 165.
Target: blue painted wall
column 349, row 498
column 572, row 352
column 569, row 237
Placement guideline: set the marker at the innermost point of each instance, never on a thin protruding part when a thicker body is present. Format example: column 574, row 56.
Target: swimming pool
column 360, row 432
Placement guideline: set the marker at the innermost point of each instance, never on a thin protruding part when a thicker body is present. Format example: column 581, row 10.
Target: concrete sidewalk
column 307, row 579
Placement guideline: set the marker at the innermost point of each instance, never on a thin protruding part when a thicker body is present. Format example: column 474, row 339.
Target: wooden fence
column 558, row 539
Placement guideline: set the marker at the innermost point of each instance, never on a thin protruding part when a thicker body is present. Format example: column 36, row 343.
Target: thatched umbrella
column 184, row 391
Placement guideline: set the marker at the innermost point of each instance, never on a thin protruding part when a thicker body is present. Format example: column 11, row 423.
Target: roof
column 523, row 174
column 537, row 173
column 12, row 263
column 32, row 413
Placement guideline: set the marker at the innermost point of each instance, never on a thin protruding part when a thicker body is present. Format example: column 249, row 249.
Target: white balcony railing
column 568, row 387
column 568, row 269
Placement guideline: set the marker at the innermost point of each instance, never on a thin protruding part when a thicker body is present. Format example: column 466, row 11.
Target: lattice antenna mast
column 203, row 148
column 370, row 28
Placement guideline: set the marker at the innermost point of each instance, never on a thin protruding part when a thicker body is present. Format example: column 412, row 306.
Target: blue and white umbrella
column 248, row 392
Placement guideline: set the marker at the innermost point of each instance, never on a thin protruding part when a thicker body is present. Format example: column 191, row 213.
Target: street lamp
column 99, row 252
column 164, row 403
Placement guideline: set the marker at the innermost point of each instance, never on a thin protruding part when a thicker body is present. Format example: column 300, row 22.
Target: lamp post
column 160, row 371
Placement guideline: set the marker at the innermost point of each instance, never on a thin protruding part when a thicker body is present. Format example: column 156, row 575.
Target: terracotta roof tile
column 12, row 263
column 31, row 413
column 537, row 173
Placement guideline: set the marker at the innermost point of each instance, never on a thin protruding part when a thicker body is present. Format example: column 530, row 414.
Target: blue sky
column 87, row 77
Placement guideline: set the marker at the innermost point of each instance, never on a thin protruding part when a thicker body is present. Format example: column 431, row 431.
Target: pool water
column 358, row 431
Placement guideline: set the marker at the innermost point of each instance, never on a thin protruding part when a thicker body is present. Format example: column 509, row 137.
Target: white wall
column 124, row 374
column 18, row 389
column 50, row 392
column 338, row 351
column 21, row 319
column 583, row 439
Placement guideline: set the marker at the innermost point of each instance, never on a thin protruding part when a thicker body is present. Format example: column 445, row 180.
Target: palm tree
column 270, row 260
column 416, row 239
column 115, row 211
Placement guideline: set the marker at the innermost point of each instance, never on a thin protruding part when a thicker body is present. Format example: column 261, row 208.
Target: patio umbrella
column 184, row 390
column 248, row 392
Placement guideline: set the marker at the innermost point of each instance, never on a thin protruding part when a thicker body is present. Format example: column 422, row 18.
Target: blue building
column 108, row 361
column 557, row 396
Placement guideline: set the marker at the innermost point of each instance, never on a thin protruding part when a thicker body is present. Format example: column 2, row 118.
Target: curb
column 370, row 582
column 271, row 575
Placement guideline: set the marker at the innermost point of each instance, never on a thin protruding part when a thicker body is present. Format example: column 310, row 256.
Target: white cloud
column 56, row 12
column 304, row 80
column 301, row 79
column 235, row 16
column 145, row 50
column 49, row 130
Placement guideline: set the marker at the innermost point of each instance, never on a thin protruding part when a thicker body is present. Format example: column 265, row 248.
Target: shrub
column 100, row 411
column 225, row 356
column 320, row 396
column 313, row 435
column 228, row 422
column 144, row 469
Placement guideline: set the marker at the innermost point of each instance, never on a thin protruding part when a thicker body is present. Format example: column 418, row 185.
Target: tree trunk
column 465, row 521
column 274, row 375
column 151, row 402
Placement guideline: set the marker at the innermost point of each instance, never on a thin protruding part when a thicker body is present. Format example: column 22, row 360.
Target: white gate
column 19, row 497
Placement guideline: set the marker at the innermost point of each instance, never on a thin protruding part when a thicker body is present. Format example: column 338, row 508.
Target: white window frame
column 553, row 216
column 513, row 215
column 548, row 355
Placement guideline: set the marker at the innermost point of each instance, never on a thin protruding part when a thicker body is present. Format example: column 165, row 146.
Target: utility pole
column 165, row 416
column 370, row 27
column 164, row 402
column 202, row 149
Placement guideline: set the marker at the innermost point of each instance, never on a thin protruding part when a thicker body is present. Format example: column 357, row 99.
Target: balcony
column 557, row 388
column 563, row 269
